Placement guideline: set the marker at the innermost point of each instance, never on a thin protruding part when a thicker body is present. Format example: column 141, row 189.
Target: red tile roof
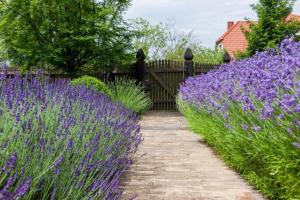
column 234, row 40
column 293, row 17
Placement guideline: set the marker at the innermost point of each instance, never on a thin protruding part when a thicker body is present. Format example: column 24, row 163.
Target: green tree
column 272, row 26
column 65, row 34
column 179, row 42
column 162, row 41
column 153, row 39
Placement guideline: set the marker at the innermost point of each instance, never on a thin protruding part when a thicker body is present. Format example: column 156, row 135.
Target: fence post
column 108, row 77
column 226, row 57
column 140, row 67
column 188, row 63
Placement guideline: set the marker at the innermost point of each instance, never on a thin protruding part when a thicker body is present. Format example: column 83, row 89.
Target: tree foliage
column 271, row 27
column 181, row 41
column 162, row 41
column 66, row 34
column 151, row 38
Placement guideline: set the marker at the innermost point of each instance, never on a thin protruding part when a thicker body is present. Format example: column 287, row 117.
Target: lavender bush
column 249, row 111
column 62, row 142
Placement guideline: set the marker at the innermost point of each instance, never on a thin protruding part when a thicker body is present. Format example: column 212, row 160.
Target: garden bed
column 249, row 112
column 58, row 141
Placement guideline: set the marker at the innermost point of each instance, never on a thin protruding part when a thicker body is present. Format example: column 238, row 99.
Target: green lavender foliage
column 267, row 160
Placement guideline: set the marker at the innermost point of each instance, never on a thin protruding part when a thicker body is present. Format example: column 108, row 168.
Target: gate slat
column 161, row 82
column 170, row 77
column 164, row 79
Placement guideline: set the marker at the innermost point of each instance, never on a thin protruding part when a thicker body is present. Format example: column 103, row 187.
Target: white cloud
column 207, row 18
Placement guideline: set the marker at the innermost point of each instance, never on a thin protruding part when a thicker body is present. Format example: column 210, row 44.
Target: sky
column 206, row 18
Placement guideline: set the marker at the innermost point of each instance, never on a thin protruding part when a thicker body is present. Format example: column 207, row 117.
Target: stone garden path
column 173, row 163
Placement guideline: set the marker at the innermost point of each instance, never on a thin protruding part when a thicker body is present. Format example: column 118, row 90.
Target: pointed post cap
column 188, row 54
column 140, row 55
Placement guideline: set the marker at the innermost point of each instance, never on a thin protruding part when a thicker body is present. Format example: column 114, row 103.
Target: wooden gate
column 163, row 78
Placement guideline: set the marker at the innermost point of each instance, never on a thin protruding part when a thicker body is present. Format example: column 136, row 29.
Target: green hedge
column 92, row 83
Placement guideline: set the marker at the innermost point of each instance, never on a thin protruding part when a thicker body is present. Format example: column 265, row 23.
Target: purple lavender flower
column 10, row 181
column 297, row 109
column 4, row 145
column 266, row 84
column 42, row 144
column 257, row 128
column 296, row 145
column 57, row 171
column 41, row 137
column 23, row 126
column 281, row 116
column 77, row 172
column 59, row 161
column 22, row 189
column 18, row 117
column 5, row 195
column 245, row 127
column 288, row 101
column 70, row 144
column 12, row 161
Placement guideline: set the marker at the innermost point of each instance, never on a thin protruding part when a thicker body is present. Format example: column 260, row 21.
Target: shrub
column 129, row 94
column 92, row 83
column 62, row 142
column 249, row 112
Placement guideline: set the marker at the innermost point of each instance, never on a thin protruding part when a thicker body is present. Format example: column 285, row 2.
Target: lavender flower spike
column 12, row 161
column 22, row 189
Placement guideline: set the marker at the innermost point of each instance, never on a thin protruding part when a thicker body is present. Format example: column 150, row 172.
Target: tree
column 162, row 41
column 152, row 39
column 65, row 34
column 179, row 42
column 272, row 26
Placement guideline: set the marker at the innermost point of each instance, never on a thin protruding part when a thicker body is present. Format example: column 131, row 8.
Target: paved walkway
column 173, row 163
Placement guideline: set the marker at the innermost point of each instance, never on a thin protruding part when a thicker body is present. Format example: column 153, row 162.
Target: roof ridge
column 292, row 17
column 229, row 31
column 293, row 14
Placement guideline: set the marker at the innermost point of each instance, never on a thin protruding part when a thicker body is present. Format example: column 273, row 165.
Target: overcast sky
column 207, row 18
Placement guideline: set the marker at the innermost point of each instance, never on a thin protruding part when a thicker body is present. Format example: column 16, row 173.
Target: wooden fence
column 161, row 79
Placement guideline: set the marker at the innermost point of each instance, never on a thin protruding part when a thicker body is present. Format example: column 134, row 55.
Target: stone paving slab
column 174, row 164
